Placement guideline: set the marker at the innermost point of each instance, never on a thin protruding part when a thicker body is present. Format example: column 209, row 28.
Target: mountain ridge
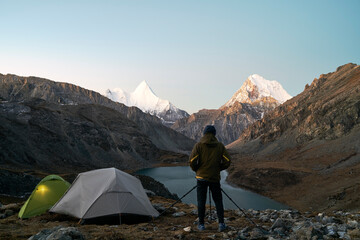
column 16, row 88
column 305, row 152
column 144, row 98
column 234, row 116
column 85, row 136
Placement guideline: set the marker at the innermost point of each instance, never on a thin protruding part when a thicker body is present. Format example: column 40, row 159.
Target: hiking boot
column 222, row 227
column 201, row 227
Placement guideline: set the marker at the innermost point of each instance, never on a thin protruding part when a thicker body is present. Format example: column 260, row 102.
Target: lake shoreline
column 181, row 179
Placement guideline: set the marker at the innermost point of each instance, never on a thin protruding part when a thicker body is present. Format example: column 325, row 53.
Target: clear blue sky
column 195, row 53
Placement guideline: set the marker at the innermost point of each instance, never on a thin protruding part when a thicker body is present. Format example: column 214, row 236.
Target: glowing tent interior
column 48, row 191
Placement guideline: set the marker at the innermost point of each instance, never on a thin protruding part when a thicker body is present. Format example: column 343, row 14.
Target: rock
column 342, row 227
column 264, row 218
column 332, row 230
column 149, row 193
column 352, row 224
column 303, row 231
column 10, row 206
column 9, row 212
column 159, row 207
column 354, row 234
column 180, row 236
column 274, row 215
column 313, row 232
column 256, row 233
column 239, row 213
column 242, row 237
column 341, row 234
column 281, row 223
column 187, row 229
column 194, row 212
column 211, row 216
column 179, row 214
column 278, row 223
column 225, row 236
column 232, row 233
column 280, row 231
column 212, row 236
column 244, row 233
column 59, row 233
column 325, row 220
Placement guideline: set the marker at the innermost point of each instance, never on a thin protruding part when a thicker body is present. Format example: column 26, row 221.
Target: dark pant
column 216, row 195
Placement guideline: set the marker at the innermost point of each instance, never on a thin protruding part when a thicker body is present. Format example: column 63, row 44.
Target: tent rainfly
column 48, row 191
column 105, row 192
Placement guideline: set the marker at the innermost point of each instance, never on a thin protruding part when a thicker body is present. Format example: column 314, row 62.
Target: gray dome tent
column 104, row 192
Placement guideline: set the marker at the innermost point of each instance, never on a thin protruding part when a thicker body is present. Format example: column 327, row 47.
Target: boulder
column 352, row 224
column 178, row 214
column 59, row 233
column 159, row 207
column 257, row 233
column 354, row 234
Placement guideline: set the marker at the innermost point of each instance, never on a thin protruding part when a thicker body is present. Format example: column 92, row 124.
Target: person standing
column 207, row 159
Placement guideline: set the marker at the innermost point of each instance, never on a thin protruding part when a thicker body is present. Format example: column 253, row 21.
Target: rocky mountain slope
column 144, row 98
column 305, row 153
column 15, row 88
column 255, row 97
column 38, row 138
column 50, row 137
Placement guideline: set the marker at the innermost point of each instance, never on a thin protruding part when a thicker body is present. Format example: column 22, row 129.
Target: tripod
column 222, row 190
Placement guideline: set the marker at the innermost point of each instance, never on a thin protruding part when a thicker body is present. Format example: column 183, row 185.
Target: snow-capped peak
column 144, row 87
column 269, row 88
column 256, row 88
column 144, row 98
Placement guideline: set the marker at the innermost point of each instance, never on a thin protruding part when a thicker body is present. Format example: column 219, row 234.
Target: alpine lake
column 180, row 180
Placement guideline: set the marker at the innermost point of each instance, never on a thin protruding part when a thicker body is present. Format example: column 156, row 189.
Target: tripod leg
column 178, row 200
column 210, row 217
column 242, row 211
column 210, row 202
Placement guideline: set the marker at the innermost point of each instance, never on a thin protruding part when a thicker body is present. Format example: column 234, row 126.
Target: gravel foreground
column 179, row 222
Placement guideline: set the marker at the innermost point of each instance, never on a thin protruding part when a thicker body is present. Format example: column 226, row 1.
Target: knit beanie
column 210, row 129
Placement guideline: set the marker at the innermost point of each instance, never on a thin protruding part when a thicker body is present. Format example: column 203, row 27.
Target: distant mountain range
column 144, row 98
column 53, row 127
column 306, row 152
column 16, row 88
column 249, row 104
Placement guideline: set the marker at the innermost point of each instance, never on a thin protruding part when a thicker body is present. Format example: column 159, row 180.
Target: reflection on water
column 180, row 180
